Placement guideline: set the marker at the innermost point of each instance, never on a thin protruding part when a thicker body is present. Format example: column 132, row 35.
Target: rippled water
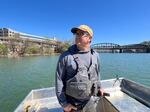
column 132, row 66
column 19, row 76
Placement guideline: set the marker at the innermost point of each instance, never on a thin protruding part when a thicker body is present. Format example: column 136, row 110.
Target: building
column 7, row 32
column 19, row 43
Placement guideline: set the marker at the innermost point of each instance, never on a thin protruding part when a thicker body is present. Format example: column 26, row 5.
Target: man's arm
column 99, row 84
column 59, row 81
column 98, row 70
column 60, row 88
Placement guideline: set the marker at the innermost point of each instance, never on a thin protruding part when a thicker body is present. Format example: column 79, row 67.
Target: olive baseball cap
column 83, row 28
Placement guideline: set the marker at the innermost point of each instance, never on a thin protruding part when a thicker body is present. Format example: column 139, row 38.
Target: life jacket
column 84, row 84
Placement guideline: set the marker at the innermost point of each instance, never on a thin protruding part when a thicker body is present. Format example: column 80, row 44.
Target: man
column 77, row 74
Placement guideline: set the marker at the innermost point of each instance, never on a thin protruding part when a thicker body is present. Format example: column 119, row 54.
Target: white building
column 7, row 32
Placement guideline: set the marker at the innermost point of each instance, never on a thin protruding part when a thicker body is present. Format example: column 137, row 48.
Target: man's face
column 82, row 38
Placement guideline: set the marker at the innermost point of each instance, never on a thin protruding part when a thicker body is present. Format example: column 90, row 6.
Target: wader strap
column 77, row 60
column 80, row 64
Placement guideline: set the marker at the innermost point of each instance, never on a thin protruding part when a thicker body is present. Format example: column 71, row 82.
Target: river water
column 20, row 75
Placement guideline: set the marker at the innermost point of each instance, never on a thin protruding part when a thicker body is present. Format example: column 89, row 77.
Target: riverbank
column 27, row 55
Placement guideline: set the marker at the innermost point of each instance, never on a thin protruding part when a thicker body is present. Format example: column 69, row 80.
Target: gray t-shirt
column 66, row 69
column 85, row 58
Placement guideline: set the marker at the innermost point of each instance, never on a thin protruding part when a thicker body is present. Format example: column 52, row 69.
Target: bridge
column 116, row 48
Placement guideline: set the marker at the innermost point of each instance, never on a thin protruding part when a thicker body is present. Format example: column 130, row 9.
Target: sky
column 115, row 21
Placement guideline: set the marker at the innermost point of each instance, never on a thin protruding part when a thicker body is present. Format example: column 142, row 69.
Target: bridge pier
column 148, row 50
column 120, row 50
column 113, row 51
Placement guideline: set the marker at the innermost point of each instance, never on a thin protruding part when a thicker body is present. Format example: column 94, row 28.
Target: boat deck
column 122, row 102
column 48, row 105
column 44, row 100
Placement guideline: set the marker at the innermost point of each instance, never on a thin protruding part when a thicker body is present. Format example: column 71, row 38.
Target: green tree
column 24, row 47
column 62, row 47
column 32, row 50
column 3, row 49
column 48, row 51
column 146, row 43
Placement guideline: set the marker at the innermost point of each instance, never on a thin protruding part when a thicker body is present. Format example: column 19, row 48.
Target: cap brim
column 74, row 30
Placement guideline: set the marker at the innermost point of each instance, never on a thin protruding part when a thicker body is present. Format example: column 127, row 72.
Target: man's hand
column 101, row 91
column 69, row 108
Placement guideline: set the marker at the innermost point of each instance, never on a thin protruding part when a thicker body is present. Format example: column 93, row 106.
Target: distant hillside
column 146, row 43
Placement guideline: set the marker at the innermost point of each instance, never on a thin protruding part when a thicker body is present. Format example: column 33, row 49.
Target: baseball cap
column 83, row 28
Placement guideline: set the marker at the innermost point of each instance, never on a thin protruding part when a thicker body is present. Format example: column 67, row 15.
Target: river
column 18, row 76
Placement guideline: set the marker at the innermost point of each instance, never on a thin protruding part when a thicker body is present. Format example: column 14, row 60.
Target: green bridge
column 116, row 48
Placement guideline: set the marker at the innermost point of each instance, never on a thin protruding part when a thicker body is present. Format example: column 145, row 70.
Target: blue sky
column 116, row 21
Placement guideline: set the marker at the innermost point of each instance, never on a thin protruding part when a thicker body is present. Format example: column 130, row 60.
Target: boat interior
column 125, row 96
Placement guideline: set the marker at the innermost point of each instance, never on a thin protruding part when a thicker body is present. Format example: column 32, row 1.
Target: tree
column 24, row 47
column 146, row 43
column 3, row 49
column 32, row 50
column 62, row 47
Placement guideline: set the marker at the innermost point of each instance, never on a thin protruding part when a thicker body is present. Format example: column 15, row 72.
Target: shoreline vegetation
column 27, row 55
column 13, row 49
column 32, row 50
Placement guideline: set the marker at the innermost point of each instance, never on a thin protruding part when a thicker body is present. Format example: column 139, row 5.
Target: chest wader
column 84, row 84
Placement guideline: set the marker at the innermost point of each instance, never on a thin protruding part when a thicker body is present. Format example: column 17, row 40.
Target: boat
column 125, row 96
